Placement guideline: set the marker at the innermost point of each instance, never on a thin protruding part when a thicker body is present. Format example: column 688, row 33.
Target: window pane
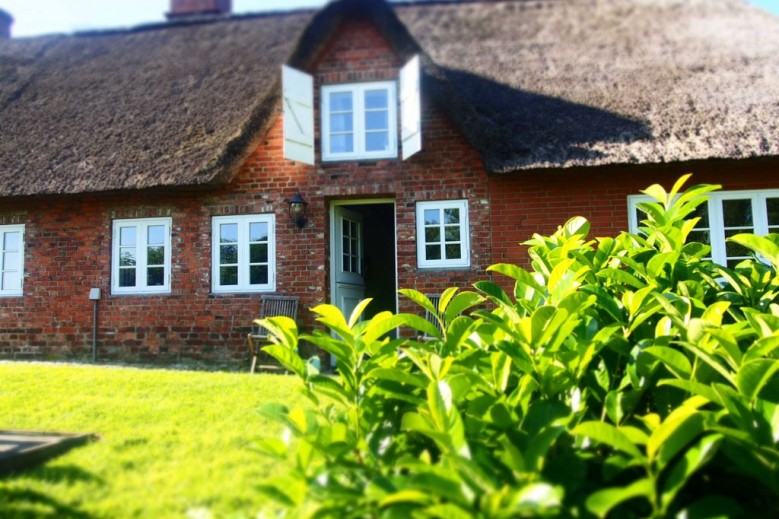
column 155, row 276
column 451, row 215
column 432, row 234
column 432, row 217
column 127, row 277
column 127, row 257
column 10, row 261
column 228, row 233
column 731, row 263
column 340, row 101
column 453, row 251
column 156, row 256
column 156, row 235
column 347, row 263
column 452, row 233
column 376, row 141
column 700, row 237
column 432, row 252
column 258, row 275
column 772, row 207
column 702, row 211
column 258, row 231
column 342, row 143
column 11, row 280
column 375, row 99
column 127, row 236
column 228, row 254
column 376, row 120
column 258, row 253
column 228, row 275
column 11, row 241
column 341, row 122
column 734, row 249
column 737, row 212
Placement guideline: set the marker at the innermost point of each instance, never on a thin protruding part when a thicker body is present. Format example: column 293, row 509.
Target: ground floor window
column 442, row 234
column 141, row 256
column 726, row 214
column 244, row 251
column 11, row 259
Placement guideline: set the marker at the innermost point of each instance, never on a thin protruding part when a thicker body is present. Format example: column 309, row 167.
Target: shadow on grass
column 29, row 504
column 24, row 504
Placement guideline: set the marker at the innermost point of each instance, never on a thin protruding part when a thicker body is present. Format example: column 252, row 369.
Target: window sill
column 243, row 291
column 458, row 268
column 149, row 293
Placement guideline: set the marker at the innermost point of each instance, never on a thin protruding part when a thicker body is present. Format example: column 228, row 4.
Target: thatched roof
column 591, row 82
column 533, row 84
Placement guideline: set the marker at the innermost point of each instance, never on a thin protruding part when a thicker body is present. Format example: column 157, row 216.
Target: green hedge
column 623, row 377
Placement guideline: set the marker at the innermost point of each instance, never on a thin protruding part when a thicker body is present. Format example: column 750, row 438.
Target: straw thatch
column 532, row 84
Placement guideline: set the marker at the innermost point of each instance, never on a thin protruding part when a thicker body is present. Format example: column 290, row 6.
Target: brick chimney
column 6, row 20
column 193, row 8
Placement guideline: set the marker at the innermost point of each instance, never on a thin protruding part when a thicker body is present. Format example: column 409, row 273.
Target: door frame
column 331, row 260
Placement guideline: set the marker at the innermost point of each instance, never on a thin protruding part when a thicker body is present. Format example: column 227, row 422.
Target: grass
column 173, row 443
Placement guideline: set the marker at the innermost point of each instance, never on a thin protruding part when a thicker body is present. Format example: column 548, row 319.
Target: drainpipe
column 94, row 296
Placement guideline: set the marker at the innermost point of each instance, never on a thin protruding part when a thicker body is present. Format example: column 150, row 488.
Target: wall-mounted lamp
column 297, row 210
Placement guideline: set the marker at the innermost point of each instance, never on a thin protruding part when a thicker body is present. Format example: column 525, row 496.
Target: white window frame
column 716, row 216
column 14, row 292
column 465, row 259
column 141, row 225
column 358, row 123
column 243, row 222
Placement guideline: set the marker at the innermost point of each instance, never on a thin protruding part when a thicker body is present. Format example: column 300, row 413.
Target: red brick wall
column 68, row 239
column 540, row 201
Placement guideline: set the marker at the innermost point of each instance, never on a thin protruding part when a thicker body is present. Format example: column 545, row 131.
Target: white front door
column 347, row 259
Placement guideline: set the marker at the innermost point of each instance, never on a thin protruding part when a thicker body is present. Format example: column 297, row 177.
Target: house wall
column 539, row 201
column 68, row 239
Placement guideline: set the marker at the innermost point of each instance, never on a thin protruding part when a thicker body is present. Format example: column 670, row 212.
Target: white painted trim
column 465, row 231
column 12, row 229
column 243, row 222
column 410, row 108
column 298, row 110
column 140, row 288
column 332, row 259
column 716, row 219
column 358, row 122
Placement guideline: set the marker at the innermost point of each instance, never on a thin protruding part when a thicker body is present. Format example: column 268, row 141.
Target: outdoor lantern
column 297, row 210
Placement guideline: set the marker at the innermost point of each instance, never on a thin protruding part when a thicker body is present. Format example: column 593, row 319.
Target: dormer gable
column 368, row 104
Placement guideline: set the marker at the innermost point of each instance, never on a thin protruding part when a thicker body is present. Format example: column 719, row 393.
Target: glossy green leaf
column 287, row 358
column 603, row 501
column 693, row 459
column 608, row 434
column 678, row 428
column 754, row 375
column 676, row 361
column 420, row 299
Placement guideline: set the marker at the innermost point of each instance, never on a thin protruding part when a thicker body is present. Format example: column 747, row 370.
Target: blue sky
column 46, row 16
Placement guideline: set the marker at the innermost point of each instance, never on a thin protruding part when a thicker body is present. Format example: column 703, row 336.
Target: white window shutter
column 298, row 98
column 410, row 108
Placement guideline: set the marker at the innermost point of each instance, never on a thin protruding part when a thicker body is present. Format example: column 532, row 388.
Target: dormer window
column 359, row 121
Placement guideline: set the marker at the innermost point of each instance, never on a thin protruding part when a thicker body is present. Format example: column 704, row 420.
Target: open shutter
column 410, row 108
column 298, row 92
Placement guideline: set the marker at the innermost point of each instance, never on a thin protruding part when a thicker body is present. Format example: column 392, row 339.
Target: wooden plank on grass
column 21, row 450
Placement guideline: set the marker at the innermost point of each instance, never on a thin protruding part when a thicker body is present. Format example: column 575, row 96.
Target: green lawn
column 173, row 443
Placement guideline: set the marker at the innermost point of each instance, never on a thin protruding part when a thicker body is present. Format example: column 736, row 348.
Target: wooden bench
column 271, row 306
